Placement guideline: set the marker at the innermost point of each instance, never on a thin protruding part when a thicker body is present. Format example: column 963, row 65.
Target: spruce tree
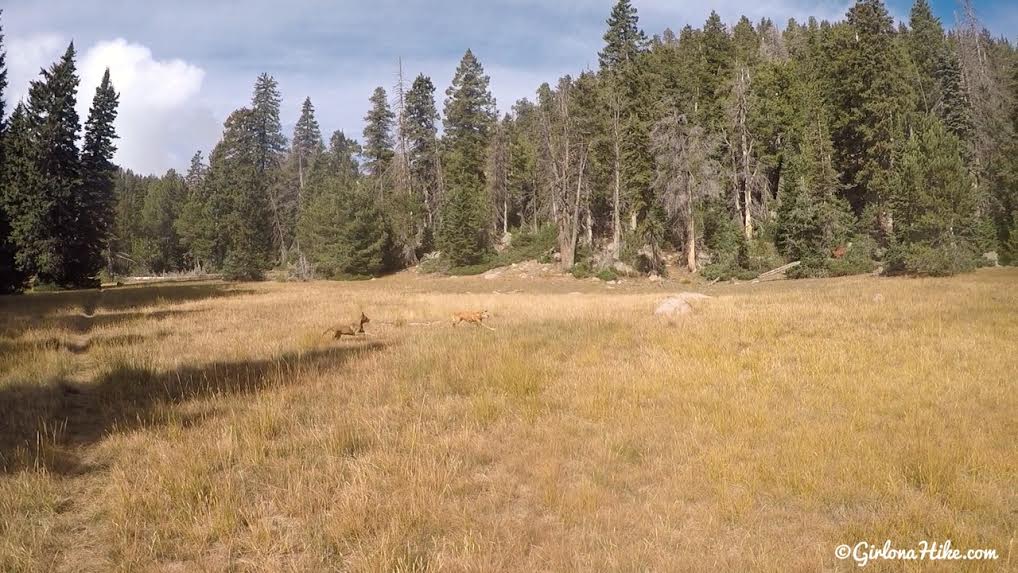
column 624, row 40
column 44, row 178
column 239, row 201
column 422, row 139
column 813, row 218
column 307, row 144
column 927, row 47
column 12, row 279
column 714, row 69
column 937, row 223
column 195, row 225
column 22, row 200
column 954, row 109
column 270, row 141
column 469, row 116
column 870, row 101
column 378, row 146
column 96, row 200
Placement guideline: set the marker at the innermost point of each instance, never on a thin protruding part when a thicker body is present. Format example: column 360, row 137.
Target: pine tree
column 378, row 150
column 469, row 116
column 630, row 108
column 195, row 225
column 12, row 279
column 927, row 48
column 96, row 200
column 44, row 177
column 937, row 214
column 954, row 109
column 270, row 141
column 270, row 148
column 714, row 68
column 307, row 136
column 22, row 198
column 239, row 199
column 624, row 40
column 422, row 143
column 161, row 208
column 341, row 228
column 813, row 218
column 870, row 101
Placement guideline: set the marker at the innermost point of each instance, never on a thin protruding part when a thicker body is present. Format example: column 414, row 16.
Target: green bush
column 581, row 270
column 607, row 275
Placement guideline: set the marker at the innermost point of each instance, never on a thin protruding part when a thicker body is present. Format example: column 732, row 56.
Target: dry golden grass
column 212, row 427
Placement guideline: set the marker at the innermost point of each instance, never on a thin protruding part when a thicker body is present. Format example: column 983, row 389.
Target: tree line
column 847, row 146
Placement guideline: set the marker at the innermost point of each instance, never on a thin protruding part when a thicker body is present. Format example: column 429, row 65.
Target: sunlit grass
column 216, row 428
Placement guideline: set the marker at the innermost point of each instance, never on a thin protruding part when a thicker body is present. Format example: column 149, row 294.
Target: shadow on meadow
column 42, row 426
column 77, row 309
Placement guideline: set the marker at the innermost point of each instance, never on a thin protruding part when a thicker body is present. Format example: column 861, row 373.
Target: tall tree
column 239, row 198
column 270, row 149
column 422, row 146
column 378, row 143
column 686, row 175
column 624, row 39
column 469, row 116
column 96, row 200
column 871, row 101
column 196, row 226
column 813, row 218
column 927, row 48
column 621, row 62
column 22, row 204
column 307, row 141
column 12, row 279
column 42, row 189
column 937, row 214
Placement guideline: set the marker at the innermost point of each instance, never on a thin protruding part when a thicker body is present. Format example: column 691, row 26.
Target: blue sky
column 182, row 66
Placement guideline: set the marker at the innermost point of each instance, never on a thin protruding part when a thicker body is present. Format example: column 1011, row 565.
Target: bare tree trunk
column 616, row 196
column 690, row 238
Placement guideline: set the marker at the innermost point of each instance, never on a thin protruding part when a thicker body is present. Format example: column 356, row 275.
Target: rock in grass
column 673, row 306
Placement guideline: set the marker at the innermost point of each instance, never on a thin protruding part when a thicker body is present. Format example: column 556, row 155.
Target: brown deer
column 476, row 318
column 349, row 330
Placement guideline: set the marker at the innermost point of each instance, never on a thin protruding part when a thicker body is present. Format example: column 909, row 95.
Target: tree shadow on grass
column 36, row 310
column 43, row 427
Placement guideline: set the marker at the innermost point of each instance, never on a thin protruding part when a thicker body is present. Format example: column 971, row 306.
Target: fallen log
column 780, row 270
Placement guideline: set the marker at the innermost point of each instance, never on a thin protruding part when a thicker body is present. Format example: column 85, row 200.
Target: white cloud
column 160, row 113
column 26, row 57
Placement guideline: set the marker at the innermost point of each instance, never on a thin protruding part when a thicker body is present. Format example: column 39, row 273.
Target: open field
column 211, row 427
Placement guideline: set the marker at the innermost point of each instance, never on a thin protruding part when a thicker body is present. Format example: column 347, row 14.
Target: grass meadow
column 213, row 427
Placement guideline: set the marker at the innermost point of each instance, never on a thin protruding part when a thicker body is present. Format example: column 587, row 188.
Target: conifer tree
column 268, row 131
column 239, row 199
column 196, row 226
column 870, row 102
column 624, row 40
column 927, row 47
column 937, row 214
column 341, row 229
column 307, row 141
column 270, row 148
column 814, row 218
column 12, row 279
column 630, row 115
column 96, row 200
column 469, row 116
column 422, row 143
column 44, row 177
column 21, row 200
column 954, row 109
column 378, row 150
